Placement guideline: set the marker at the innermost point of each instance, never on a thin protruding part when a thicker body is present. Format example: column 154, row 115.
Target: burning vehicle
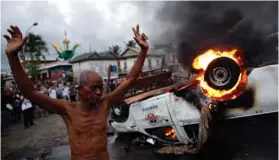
column 181, row 113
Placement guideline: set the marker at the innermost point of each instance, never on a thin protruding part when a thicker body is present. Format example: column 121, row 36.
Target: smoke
column 204, row 25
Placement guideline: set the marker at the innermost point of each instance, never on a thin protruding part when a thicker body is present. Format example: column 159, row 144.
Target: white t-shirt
column 26, row 104
column 66, row 91
column 52, row 93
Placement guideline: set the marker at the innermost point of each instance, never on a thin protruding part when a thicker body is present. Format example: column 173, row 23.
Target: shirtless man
column 86, row 121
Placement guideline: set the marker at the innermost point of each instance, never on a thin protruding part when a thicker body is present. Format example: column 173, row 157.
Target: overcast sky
column 100, row 24
column 103, row 24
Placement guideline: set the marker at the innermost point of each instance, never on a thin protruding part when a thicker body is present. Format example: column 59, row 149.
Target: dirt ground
column 48, row 132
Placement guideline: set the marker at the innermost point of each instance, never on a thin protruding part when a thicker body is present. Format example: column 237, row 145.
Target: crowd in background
column 16, row 108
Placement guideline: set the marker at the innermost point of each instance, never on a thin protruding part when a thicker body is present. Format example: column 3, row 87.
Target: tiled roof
column 129, row 52
column 94, row 55
column 55, row 64
column 135, row 51
column 108, row 54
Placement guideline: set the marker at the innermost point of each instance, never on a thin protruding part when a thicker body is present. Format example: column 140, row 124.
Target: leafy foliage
column 131, row 44
column 35, row 47
column 33, row 70
column 115, row 49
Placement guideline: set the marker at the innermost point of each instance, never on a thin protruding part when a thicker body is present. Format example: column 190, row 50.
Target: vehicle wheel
column 222, row 73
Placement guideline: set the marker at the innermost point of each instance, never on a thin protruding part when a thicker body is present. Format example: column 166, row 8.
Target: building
column 38, row 62
column 171, row 60
column 98, row 62
column 51, row 69
column 154, row 60
column 121, row 64
column 27, row 62
column 60, row 70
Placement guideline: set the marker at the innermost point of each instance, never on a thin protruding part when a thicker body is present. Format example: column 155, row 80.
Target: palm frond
column 35, row 47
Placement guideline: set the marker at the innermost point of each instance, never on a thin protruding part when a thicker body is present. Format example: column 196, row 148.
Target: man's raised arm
column 120, row 91
column 14, row 45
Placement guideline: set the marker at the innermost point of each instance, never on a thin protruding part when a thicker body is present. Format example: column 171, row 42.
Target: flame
column 201, row 63
column 170, row 133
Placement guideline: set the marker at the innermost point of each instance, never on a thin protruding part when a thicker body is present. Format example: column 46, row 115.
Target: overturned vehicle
column 181, row 113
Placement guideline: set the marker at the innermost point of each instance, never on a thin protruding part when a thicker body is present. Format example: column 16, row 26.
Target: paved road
column 254, row 138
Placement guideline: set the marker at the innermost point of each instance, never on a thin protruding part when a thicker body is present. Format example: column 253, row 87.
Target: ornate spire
column 66, row 41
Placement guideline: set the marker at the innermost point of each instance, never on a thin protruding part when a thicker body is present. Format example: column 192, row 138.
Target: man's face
column 92, row 91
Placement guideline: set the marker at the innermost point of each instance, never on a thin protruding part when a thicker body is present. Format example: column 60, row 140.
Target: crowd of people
column 16, row 108
column 64, row 91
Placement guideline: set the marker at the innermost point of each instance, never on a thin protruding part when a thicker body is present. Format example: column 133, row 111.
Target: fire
column 170, row 133
column 201, row 63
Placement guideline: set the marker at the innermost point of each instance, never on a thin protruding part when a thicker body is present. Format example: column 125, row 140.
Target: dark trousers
column 66, row 98
column 17, row 111
column 4, row 121
column 59, row 96
column 28, row 117
column 73, row 98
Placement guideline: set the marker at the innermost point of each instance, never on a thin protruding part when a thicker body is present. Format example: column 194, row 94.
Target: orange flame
column 201, row 63
column 170, row 133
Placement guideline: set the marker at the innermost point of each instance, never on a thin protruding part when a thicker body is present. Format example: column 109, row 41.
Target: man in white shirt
column 59, row 91
column 52, row 92
column 66, row 92
column 26, row 108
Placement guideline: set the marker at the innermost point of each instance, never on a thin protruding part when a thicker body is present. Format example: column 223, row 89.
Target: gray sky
column 100, row 24
column 103, row 24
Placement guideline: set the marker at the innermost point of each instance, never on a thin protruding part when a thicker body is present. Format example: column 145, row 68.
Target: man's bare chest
column 84, row 125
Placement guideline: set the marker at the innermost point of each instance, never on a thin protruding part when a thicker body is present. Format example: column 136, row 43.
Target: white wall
column 169, row 58
column 100, row 66
column 130, row 62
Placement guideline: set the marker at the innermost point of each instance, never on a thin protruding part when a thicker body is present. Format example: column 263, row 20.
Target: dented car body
column 153, row 112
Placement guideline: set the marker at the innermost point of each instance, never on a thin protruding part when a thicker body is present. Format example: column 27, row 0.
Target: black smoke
column 204, row 25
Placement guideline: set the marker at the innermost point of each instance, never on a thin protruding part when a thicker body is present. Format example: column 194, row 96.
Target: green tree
column 33, row 70
column 131, row 44
column 95, row 52
column 115, row 49
column 35, row 47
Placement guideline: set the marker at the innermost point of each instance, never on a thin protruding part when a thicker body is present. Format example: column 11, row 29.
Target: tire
column 222, row 73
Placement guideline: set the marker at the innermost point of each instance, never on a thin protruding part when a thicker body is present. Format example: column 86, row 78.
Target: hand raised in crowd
column 140, row 38
column 15, row 41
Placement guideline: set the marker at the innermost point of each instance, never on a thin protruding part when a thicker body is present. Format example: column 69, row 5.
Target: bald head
column 89, row 76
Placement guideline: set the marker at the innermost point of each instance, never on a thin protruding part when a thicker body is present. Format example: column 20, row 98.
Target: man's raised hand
column 15, row 41
column 140, row 38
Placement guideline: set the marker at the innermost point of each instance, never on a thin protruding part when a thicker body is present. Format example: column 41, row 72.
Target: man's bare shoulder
column 71, row 110
column 71, row 105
